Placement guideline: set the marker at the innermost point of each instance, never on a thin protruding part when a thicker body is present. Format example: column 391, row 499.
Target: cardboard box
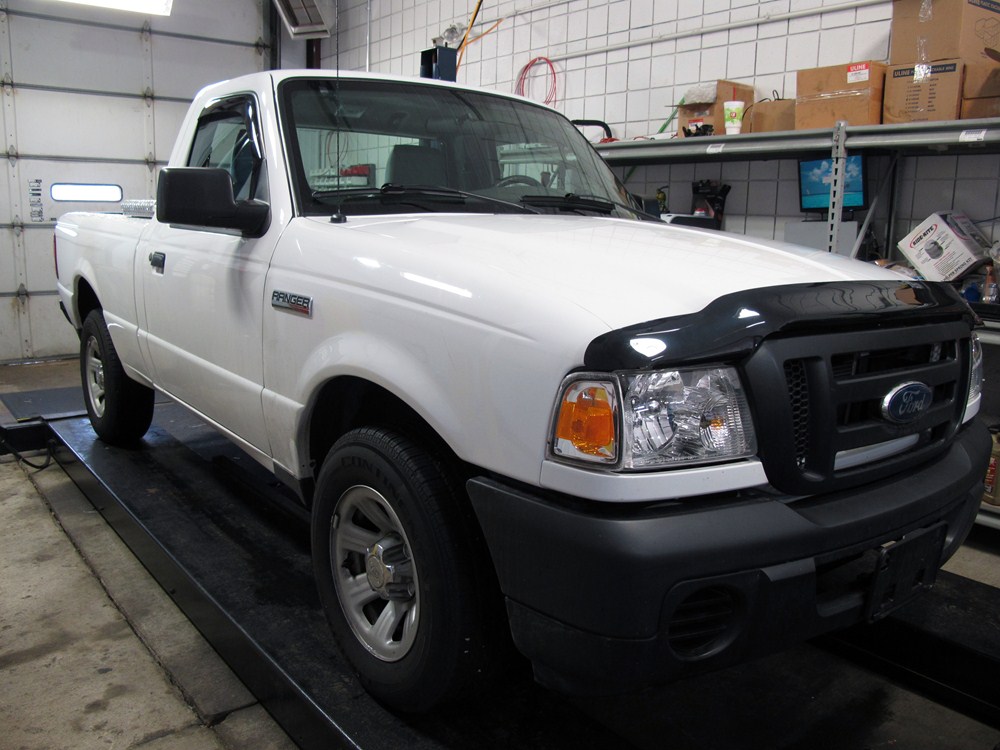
column 944, row 246
column 851, row 92
column 982, row 79
column 974, row 109
column 915, row 93
column 953, row 28
column 773, row 116
column 690, row 115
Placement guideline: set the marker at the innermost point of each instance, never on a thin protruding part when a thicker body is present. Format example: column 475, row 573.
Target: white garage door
column 92, row 96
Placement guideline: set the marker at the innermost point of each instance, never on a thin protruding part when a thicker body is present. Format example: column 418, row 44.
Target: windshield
column 370, row 147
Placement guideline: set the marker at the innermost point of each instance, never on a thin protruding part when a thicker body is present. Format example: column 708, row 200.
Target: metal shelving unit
column 910, row 139
column 928, row 138
column 743, row 147
column 951, row 136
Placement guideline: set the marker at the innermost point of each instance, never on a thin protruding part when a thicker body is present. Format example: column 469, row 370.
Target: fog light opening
column 704, row 623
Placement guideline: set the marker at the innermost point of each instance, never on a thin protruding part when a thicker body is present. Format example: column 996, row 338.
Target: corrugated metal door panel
column 210, row 19
column 181, row 72
column 94, row 96
column 167, row 119
column 6, row 219
column 103, row 127
column 36, row 189
column 48, row 333
column 237, row 20
column 89, row 58
column 40, row 265
column 8, row 270
column 11, row 345
column 10, row 314
column 33, row 193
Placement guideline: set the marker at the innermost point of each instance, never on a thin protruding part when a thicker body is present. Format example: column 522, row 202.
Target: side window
column 226, row 137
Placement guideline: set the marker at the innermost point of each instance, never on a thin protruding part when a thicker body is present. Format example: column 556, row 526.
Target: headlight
column 976, row 369
column 690, row 416
column 668, row 418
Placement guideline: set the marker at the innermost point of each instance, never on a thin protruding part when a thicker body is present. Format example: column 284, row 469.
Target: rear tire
column 403, row 580
column 120, row 409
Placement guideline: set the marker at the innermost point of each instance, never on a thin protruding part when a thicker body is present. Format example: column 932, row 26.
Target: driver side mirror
column 203, row 197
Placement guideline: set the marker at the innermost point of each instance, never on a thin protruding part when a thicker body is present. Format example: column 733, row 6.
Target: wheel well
column 347, row 402
column 86, row 300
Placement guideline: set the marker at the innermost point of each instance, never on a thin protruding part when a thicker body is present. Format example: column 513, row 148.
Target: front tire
column 400, row 574
column 120, row 409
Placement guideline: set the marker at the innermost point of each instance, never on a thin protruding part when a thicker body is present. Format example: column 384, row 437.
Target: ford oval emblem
column 906, row 402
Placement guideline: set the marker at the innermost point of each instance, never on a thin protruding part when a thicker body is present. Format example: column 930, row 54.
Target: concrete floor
column 93, row 653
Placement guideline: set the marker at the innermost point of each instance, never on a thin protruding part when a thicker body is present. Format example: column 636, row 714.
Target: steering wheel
column 518, row 179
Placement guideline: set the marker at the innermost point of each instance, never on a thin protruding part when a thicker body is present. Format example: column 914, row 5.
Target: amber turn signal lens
column 587, row 420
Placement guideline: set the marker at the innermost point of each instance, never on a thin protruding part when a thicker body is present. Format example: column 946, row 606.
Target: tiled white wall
column 663, row 48
column 634, row 89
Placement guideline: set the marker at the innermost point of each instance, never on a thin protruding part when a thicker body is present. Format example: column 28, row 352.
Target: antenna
column 336, row 63
column 338, row 216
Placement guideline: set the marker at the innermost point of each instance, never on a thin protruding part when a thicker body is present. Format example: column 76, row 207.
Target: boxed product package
column 774, row 116
column 920, row 94
column 944, row 246
column 929, row 30
column 851, row 92
column 708, row 108
column 975, row 109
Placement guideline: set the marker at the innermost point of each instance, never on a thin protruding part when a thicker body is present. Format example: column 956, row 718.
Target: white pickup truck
column 516, row 407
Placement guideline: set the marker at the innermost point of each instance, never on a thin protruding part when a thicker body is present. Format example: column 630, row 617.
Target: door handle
column 158, row 261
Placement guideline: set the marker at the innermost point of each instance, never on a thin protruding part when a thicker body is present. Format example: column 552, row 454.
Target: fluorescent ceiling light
column 149, row 7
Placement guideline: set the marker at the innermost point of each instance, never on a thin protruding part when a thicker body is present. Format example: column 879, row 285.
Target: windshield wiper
column 405, row 194
column 575, row 202
column 391, row 189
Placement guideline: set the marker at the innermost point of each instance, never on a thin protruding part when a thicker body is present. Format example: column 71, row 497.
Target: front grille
column 798, row 401
column 819, row 397
column 850, row 364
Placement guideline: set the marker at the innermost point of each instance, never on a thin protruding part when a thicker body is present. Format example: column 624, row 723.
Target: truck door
column 203, row 288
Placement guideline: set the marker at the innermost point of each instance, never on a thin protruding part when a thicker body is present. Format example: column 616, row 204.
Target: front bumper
column 604, row 599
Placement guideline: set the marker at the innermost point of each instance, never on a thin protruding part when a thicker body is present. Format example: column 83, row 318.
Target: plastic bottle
column 990, row 286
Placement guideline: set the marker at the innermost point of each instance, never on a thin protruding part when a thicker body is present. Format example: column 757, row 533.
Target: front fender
column 486, row 393
column 358, row 355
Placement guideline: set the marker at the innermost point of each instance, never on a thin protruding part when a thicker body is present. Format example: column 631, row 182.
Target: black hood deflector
column 732, row 327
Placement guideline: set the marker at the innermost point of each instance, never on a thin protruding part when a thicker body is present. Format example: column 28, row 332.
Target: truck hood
column 621, row 272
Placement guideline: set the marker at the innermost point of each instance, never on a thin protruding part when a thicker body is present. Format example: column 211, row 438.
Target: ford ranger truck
column 518, row 410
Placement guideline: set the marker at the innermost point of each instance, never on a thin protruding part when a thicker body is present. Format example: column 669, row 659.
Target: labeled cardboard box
column 923, row 93
column 975, row 109
column 773, row 116
column 944, row 246
column 851, row 92
column 929, row 30
column 711, row 113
